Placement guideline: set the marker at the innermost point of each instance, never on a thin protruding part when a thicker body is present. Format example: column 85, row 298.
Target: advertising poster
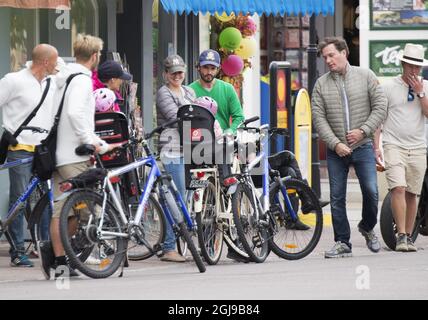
column 398, row 14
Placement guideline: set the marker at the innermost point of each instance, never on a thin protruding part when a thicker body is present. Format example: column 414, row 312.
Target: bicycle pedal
column 257, row 241
column 157, row 250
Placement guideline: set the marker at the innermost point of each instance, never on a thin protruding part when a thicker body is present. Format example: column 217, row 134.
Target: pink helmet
column 104, row 99
column 208, row 103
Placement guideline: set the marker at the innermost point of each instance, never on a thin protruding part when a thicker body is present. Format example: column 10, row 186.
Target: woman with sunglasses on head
column 168, row 99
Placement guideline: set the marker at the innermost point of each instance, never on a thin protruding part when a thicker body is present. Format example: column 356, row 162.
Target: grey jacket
column 167, row 104
column 366, row 99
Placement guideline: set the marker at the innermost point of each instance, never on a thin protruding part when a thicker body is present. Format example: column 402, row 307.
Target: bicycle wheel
column 180, row 221
column 41, row 230
column 153, row 224
column 287, row 241
column 252, row 234
column 210, row 236
column 185, row 235
column 79, row 221
column 388, row 227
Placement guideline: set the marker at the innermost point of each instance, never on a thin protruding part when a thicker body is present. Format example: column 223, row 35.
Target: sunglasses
column 410, row 95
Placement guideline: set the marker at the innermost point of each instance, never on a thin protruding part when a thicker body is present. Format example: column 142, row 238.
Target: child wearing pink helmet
column 104, row 100
column 210, row 104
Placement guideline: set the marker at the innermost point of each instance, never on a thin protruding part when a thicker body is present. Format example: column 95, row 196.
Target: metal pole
column 312, row 77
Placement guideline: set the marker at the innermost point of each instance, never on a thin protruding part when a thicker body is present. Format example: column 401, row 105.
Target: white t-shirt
column 405, row 122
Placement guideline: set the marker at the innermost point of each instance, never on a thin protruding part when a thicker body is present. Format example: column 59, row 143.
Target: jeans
column 175, row 167
column 19, row 177
column 363, row 160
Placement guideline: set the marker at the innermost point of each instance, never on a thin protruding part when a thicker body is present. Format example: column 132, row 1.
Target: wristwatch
column 420, row 95
column 362, row 132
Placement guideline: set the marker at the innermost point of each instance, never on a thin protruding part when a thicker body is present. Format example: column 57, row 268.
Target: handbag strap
column 58, row 114
column 33, row 113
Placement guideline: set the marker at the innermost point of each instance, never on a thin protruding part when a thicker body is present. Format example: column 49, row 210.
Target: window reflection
column 22, row 37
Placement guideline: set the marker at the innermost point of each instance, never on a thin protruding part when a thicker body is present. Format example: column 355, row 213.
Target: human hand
column 415, row 83
column 342, row 150
column 354, row 136
column 379, row 157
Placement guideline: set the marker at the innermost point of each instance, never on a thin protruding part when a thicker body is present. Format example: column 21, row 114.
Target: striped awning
column 35, row 4
column 267, row 7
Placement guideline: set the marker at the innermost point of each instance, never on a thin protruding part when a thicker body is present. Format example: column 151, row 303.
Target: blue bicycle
column 37, row 200
column 95, row 221
column 266, row 221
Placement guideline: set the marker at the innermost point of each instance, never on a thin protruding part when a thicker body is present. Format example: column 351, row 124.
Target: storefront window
column 23, row 36
column 84, row 17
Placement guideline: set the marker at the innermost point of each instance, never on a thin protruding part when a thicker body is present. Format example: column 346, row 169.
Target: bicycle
column 264, row 221
column 388, row 227
column 36, row 199
column 101, row 224
column 209, row 201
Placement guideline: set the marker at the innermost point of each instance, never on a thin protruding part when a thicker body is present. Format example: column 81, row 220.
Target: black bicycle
column 388, row 228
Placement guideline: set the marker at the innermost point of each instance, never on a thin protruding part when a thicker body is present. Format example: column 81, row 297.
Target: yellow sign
column 303, row 134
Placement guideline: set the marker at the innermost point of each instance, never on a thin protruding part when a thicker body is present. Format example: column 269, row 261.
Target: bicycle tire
column 184, row 233
column 210, row 237
column 253, row 236
column 85, row 237
column 388, row 228
column 34, row 218
column 31, row 217
column 293, row 249
column 154, row 235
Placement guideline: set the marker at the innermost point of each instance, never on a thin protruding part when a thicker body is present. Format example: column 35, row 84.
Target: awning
column 268, row 7
column 35, row 4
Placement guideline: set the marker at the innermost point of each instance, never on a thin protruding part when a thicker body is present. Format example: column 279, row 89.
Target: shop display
column 233, row 37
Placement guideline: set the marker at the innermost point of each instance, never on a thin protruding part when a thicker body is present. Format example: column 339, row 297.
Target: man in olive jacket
column 348, row 106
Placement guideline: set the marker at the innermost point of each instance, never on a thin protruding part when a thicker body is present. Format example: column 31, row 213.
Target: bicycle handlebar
column 159, row 129
column 247, row 121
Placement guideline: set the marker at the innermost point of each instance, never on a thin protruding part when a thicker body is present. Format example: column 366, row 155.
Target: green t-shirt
column 227, row 100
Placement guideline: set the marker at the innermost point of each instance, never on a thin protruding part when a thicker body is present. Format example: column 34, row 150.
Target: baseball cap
column 211, row 57
column 112, row 69
column 174, row 63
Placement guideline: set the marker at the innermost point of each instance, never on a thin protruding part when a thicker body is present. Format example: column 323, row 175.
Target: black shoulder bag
column 8, row 138
column 44, row 161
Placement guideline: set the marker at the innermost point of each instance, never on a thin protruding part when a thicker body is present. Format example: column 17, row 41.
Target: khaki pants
column 63, row 173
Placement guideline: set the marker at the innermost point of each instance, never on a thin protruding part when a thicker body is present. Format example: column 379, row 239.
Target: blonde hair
column 85, row 46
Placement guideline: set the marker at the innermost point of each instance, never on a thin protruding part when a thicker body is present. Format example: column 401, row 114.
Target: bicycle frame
column 264, row 207
column 153, row 176
column 20, row 202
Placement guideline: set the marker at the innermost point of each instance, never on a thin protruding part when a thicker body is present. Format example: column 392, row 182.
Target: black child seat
column 112, row 127
column 197, row 138
column 284, row 162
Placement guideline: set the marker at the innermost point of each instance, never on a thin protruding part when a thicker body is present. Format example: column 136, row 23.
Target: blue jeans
column 363, row 160
column 175, row 167
column 19, row 177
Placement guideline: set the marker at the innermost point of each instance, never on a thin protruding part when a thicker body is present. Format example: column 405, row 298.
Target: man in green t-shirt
column 222, row 92
column 229, row 107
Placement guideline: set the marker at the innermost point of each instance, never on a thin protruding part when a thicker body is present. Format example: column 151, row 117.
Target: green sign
column 384, row 56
